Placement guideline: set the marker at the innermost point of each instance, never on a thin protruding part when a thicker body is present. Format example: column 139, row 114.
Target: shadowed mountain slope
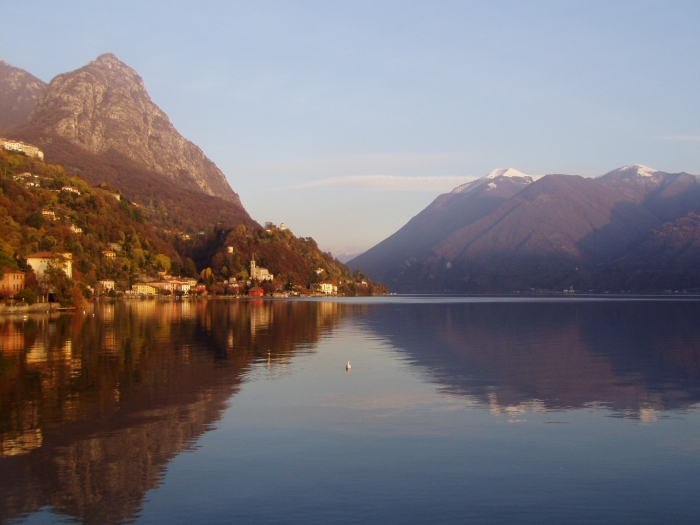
column 446, row 214
column 19, row 94
column 559, row 230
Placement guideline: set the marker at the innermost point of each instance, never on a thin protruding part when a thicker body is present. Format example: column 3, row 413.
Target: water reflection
column 636, row 358
column 93, row 407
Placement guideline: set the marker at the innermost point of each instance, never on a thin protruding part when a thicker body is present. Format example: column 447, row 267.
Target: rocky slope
column 19, row 94
column 104, row 108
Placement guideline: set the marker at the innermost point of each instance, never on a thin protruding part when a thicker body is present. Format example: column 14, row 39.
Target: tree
column 58, row 282
column 77, row 298
column 35, row 220
column 161, row 262
column 189, row 269
column 27, row 295
column 207, row 277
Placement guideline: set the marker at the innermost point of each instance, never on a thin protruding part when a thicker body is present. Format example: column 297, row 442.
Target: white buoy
column 348, row 367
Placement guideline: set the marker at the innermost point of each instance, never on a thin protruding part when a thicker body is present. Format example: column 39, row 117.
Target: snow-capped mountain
column 495, row 174
column 634, row 171
column 512, row 231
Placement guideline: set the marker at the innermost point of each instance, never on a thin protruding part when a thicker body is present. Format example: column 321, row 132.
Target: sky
column 345, row 119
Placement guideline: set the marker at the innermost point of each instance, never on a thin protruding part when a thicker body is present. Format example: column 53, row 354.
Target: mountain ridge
column 547, row 232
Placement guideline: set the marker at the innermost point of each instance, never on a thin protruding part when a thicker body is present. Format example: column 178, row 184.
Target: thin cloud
column 392, row 183
column 682, row 138
column 347, row 166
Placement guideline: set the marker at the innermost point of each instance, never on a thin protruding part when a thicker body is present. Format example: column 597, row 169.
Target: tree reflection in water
column 93, row 408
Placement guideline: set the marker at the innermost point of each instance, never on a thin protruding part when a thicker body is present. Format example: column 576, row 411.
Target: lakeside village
column 45, row 264
column 49, row 212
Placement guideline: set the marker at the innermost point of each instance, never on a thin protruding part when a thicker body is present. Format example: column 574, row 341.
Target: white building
column 106, row 285
column 40, row 260
column 182, row 286
column 328, row 288
column 21, row 147
column 260, row 274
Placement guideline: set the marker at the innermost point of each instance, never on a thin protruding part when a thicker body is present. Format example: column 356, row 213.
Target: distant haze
column 344, row 120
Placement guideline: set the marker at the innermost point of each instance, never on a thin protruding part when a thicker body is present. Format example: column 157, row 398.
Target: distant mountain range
column 100, row 122
column 634, row 228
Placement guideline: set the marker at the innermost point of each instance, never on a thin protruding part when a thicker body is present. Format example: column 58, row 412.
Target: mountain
column 446, row 214
column 104, row 106
column 100, row 123
column 553, row 232
column 19, row 94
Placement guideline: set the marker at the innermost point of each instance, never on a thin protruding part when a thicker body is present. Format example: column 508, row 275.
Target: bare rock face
column 104, row 107
column 19, row 94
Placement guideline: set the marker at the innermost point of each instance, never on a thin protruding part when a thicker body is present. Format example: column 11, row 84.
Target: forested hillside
column 45, row 209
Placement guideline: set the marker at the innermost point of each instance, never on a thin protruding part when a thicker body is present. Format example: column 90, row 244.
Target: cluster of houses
column 17, row 145
column 165, row 285
column 14, row 281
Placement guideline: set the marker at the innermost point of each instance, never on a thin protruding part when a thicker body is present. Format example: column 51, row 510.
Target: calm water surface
column 456, row 410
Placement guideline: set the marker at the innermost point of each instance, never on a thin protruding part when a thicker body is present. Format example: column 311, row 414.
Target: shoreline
column 53, row 308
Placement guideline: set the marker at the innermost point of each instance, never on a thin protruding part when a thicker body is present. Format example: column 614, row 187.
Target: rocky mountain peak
column 19, row 94
column 104, row 107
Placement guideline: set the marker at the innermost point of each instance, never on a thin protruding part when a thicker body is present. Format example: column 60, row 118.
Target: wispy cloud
column 352, row 165
column 394, row 183
column 682, row 138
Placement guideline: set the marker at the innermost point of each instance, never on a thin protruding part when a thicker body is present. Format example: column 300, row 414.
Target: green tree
column 189, row 269
column 35, row 220
column 28, row 295
column 161, row 262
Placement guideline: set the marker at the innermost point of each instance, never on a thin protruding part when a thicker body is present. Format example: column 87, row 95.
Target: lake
column 455, row 410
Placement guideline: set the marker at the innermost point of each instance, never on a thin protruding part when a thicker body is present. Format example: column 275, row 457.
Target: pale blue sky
column 345, row 119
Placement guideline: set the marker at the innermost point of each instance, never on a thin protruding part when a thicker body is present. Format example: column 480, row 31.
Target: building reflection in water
column 93, row 408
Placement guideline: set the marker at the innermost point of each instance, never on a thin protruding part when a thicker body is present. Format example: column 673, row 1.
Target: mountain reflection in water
column 634, row 357
column 92, row 408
